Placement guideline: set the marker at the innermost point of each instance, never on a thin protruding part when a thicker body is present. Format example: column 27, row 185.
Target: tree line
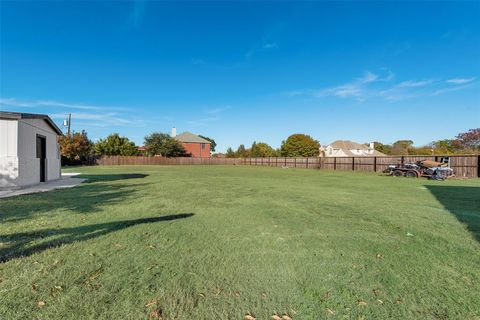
column 296, row 145
column 301, row 145
column 77, row 148
column 464, row 143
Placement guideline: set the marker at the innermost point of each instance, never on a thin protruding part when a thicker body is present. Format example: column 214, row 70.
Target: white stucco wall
column 19, row 165
column 330, row 152
column 29, row 165
column 8, row 153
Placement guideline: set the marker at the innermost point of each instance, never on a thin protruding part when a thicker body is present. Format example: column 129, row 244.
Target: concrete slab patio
column 68, row 180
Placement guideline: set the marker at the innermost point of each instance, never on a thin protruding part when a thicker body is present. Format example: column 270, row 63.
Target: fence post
column 374, row 164
column 478, row 167
column 307, row 162
column 285, row 161
column 295, row 162
column 402, row 159
column 276, row 161
column 334, row 163
column 353, row 163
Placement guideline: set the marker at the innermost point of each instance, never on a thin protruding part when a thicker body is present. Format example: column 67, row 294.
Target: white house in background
column 29, row 150
column 346, row 148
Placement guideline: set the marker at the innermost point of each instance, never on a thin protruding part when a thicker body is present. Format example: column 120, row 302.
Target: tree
column 401, row 147
column 230, row 153
column 445, row 146
column 261, row 149
column 213, row 144
column 425, row 150
column 300, row 145
column 75, row 148
column 383, row 148
column 115, row 145
column 242, row 152
column 469, row 140
column 163, row 144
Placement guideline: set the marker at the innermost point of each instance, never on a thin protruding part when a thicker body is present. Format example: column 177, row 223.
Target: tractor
column 424, row 168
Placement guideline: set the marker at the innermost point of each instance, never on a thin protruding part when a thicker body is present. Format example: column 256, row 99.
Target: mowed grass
column 199, row 242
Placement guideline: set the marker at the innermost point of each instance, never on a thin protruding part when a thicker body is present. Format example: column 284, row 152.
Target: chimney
column 174, row 132
column 372, row 145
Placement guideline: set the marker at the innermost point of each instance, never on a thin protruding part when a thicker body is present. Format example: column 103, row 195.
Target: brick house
column 196, row 146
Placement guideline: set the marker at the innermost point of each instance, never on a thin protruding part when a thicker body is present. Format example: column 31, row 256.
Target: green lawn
column 217, row 242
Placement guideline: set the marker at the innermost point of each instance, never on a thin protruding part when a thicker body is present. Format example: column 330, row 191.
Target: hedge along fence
column 463, row 165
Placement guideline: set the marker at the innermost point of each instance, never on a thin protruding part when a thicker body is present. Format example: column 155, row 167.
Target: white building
column 29, row 150
column 346, row 148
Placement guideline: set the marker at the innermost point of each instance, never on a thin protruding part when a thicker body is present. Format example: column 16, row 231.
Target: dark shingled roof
column 18, row 116
column 190, row 137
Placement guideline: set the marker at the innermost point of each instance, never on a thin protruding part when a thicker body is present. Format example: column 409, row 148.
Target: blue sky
column 245, row 71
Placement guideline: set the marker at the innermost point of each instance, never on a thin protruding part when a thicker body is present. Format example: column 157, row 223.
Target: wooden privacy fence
column 140, row 160
column 463, row 165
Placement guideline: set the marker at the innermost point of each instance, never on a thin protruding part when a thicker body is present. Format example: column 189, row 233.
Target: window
column 203, row 146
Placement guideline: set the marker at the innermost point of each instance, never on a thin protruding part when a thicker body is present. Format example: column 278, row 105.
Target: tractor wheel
column 398, row 173
column 411, row 174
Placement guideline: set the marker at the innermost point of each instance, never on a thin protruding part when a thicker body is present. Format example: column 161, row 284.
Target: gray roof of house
column 190, row 137
column 347, row 145
column 18, row 116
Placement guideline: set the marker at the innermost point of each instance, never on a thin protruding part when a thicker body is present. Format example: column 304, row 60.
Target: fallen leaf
column 201, row 295
column 249, row 317
column 379, row 255
column 409, row 234
column 151, row 303
column 34, row 286
column 362, row 302
column 398, row 301
column 237, row 294
column 276, row 317
column 96, row 273
column 152, row 246
column 55, row 291
column 286, row 317
column 40, row 304
column 380, row 301
column 264, row 295
column 330, row 311
column 155, row 314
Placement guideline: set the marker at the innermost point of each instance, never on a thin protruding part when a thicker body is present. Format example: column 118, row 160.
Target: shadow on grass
column 18, row 243
column 86, row 198
column 111, row 177
column 463, row 202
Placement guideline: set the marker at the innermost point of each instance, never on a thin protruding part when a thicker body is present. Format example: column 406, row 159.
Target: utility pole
column 69, row 121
